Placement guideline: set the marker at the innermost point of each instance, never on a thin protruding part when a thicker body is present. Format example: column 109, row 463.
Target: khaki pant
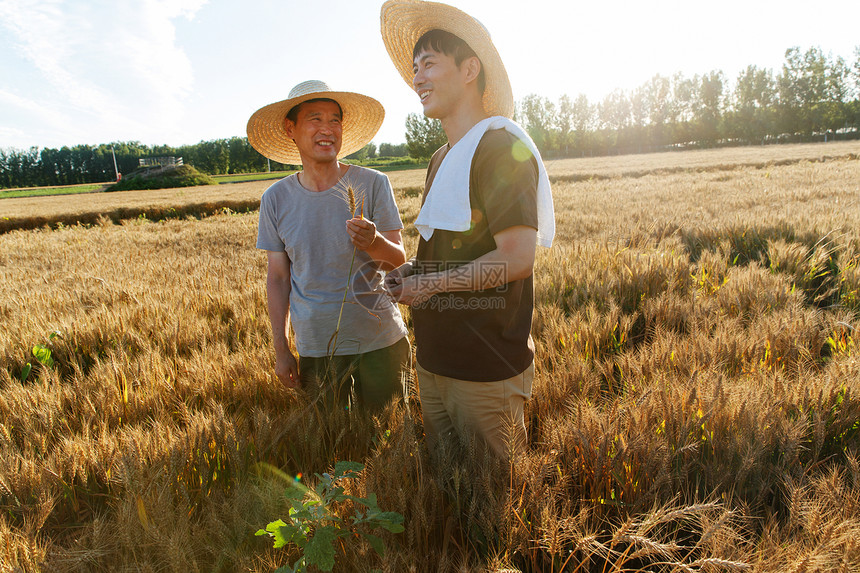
column 491, row 411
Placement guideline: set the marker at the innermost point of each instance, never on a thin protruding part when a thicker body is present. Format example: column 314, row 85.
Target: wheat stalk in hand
column 354, row 198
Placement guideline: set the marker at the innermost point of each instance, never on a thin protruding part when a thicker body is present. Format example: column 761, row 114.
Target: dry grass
column 696, row 402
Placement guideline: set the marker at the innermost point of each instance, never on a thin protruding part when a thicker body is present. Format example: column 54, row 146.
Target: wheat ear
column 350, row 196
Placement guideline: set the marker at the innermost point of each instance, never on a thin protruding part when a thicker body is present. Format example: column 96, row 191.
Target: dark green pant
column 370, row 380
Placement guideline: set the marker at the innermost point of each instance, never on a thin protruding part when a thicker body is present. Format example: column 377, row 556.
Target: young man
column 487, row 202
column 314, row 240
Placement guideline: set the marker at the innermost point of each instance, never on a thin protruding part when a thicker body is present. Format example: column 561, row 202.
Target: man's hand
column 401, row 272
column 403, row 290
column 393, row 282
column 287, row 369
column 413, row 289
column 362, row 232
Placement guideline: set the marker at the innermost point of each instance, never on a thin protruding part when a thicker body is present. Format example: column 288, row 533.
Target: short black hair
column 451, row 45
column 293, row 114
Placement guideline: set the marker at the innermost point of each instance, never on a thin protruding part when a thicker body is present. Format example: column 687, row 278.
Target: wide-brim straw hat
column 405, row 21
column 267, row 129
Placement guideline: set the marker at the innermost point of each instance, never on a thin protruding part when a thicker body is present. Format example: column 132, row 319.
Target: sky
column 177, row 72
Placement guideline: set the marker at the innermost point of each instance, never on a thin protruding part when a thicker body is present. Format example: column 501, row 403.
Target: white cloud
column 113, row 69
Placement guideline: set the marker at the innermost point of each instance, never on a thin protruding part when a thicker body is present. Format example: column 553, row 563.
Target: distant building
column 154, row 166
column 170, row 161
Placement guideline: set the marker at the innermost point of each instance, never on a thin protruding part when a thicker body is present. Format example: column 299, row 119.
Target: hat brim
column 403, row 22
column 267, row 129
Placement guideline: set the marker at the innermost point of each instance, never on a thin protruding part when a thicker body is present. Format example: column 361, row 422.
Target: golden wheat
column 695, row 405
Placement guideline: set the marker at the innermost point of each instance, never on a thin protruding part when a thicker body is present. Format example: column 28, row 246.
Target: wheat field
column 696, row 404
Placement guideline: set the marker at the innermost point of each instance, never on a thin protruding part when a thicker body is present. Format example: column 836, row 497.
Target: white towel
column 446, row 205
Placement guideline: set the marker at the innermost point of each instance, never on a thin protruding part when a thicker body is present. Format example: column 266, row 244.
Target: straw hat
column 405, row 21
column 267, row 131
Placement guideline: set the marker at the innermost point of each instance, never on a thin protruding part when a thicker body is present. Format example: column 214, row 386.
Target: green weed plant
column 314, row 525
column 42, row 354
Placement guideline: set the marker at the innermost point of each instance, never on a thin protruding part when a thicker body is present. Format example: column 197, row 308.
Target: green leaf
column 270, row 528
column 335, row 494
column 43, row 355
column 347, row 469
column 325, row 481
column 283, row 534
column 376, row 543
column 390, row 520
column 320, row 549
column 305, row 510
column 301, row 518
column 394, row 527
column 25, row 372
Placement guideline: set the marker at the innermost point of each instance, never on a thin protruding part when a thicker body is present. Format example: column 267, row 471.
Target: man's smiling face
column 317, row 131
column 438, row 81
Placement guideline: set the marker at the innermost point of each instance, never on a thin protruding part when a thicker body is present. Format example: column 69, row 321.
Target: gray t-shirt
column 311, row 228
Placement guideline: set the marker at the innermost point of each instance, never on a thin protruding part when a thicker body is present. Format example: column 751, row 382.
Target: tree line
column 813, row 97
column 95, row 164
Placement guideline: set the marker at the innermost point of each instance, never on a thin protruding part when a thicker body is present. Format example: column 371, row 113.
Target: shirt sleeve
column 268, row 238
column 505, row 179
column 385, row 214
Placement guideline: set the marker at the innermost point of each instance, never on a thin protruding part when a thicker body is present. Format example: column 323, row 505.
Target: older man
column 326, row 259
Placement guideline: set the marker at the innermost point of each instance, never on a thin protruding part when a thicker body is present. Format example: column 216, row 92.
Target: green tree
column 802, row 91
column 658, row 98
column 614, row 117
column 212, row 157
column 634, row 134
column 681, row 109
column 391, row 150
column 423, row 136
column 243, row 157
column 22, row 168
column 752, row 105
column 836, row 107
column 817, row 99
column 366, row 152
column 708, row 107
column 615, row 112
column 854, row 107
column 583, row 118
column 855, row 73
column 565, row 124
column 5, row 175
column 538, row 116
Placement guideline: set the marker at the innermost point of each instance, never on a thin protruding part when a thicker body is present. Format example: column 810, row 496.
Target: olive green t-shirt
column 480, row 336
